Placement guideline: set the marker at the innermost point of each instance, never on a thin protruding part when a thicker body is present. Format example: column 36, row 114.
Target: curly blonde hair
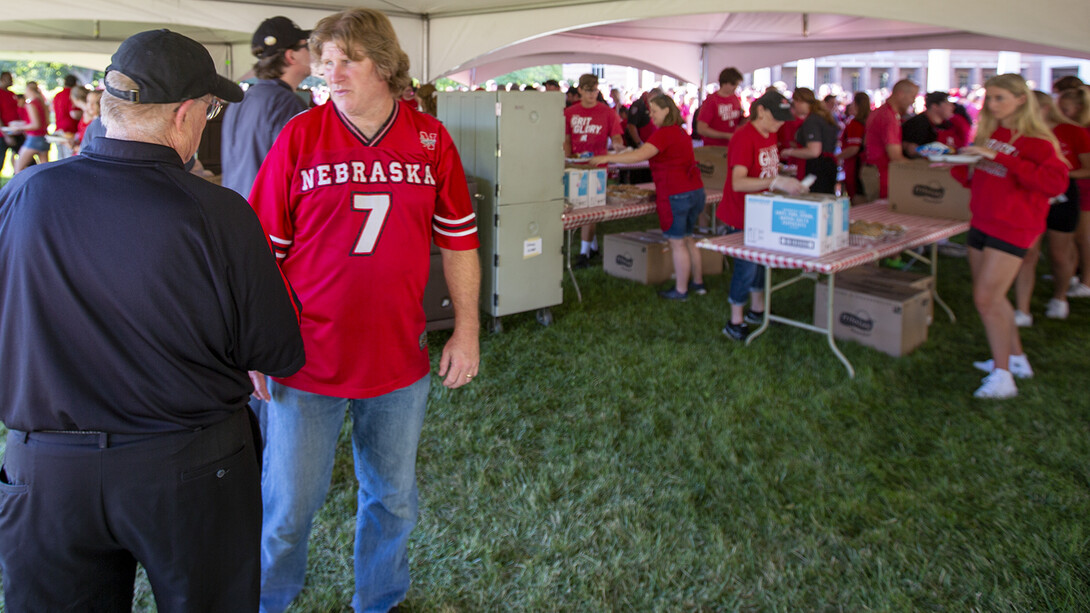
column 365, row 33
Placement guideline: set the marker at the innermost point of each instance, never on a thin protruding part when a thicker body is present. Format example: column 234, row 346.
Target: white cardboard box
column 596, row 186
column 809, row 224
column 577, row 187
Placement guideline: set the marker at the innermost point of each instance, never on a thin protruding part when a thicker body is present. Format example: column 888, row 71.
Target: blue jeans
column 748, row 277
column 686, row 209
column 302, row 430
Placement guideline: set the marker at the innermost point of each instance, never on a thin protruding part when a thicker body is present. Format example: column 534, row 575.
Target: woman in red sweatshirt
column 1021, row 168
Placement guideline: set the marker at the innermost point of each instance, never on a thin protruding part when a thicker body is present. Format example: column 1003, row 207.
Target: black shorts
column 1064, row 216
column 979, row 240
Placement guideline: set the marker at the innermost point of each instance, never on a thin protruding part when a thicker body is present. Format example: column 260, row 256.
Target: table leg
column 935, row 277
column 578, row 294
column 829, row 317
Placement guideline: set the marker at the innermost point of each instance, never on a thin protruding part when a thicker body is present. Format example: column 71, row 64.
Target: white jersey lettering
column 377, row 172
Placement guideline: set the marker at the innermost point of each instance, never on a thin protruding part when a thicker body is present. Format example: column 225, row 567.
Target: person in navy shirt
column 133, row 322
column 251, row 126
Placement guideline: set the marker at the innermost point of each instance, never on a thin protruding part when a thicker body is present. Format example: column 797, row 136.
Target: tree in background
column 49, row 75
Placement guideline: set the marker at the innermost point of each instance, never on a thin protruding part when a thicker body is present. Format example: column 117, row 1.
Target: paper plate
column 955, row 158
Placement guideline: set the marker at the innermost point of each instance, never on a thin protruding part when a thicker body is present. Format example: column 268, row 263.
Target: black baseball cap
column 775, row 102
column 277, row 34
column 168, row 67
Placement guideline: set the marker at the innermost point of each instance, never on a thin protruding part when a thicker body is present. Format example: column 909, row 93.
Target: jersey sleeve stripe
column 439, row 230
column 279, row 241
column 454, row 222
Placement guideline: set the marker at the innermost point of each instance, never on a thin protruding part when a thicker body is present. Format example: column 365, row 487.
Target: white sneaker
column 1057, row 309
column 999, row 384
column 1018, row 365
column 1079, row 290
column 1023, row 320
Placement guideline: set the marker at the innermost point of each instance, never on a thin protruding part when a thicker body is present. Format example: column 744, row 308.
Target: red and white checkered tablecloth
column 594, row 214
column 918, row 231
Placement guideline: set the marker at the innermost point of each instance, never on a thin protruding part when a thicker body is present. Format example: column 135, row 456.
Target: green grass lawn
column 631, row 458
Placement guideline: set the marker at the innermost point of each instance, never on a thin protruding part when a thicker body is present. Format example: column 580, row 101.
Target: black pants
column 78, row 511
column 824, row 169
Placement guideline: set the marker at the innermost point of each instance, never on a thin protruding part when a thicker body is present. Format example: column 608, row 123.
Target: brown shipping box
column 645, row 257
column 879, row 275
column 890, row 319
column 712, row 162
column 917, row 188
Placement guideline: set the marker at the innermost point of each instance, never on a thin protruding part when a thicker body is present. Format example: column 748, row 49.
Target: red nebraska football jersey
column 351, row 220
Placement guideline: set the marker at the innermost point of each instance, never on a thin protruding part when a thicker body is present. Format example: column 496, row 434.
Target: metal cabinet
column 512, row 143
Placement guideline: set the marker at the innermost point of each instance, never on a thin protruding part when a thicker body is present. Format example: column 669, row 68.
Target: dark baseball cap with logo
column 168, row 67
column 775, row 102
column 277, row 34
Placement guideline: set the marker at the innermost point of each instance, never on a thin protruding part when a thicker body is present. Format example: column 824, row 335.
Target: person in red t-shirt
column 721, row 113
column 883, row 139
column 9, row 112
column 589, row 127
column 1063, row 219
column 752, row 166
column 1020, row 170
column 679, row 191
column 66, row 115
column 1074, row 103
column 851, row 146
column 37, row 122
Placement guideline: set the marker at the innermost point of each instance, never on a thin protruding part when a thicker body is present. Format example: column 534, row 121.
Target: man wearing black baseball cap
column 932, row 125
column 130, row 319
column 250, row 128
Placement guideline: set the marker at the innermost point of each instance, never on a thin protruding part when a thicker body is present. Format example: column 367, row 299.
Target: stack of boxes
column 585, row 188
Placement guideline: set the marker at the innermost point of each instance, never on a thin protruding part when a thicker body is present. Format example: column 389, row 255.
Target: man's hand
column 261, row 388
column 460, row 360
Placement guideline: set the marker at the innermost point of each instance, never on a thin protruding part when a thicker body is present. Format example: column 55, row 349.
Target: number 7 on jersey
column 376, row 207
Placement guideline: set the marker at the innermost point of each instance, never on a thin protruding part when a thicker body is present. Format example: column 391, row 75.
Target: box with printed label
column 891, row 319
column 577, row 187
column 919, row 188
column 809, row 224
column 645, row 257
column 596, row 187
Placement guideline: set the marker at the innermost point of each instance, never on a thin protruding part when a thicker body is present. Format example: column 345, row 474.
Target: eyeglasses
column 214, row 108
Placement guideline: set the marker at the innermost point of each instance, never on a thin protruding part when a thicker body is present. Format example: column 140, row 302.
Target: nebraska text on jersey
column 378, row 171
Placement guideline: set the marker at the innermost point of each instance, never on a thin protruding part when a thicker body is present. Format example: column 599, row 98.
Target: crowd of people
column 1032, row 182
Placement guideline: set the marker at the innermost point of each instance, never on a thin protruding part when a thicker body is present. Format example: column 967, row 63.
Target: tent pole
column 427, row 50
column 703, row 73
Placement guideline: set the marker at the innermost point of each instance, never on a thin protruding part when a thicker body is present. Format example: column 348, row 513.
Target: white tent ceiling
column 452, row 37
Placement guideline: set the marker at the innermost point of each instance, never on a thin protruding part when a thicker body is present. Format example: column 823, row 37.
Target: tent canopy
column 491, row 37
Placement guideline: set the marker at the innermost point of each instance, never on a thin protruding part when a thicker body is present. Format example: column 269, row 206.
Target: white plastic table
column 919, row 231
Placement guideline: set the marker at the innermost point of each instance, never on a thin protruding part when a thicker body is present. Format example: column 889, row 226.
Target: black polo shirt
column 134, row 296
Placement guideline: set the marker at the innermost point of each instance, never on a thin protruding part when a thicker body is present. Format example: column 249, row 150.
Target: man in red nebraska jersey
column 721, row 113
column 352, row 194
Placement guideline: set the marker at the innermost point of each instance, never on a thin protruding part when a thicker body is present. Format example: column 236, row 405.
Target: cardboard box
column 809, row 224
column 917, row 188
column 893, row 320
column 645, row 257
column 877, row 275
column 712, row 162
column 596, row 186
column 576, row 188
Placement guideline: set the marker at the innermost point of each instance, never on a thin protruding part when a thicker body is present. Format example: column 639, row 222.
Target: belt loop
column 103, row 440
column 25, row 436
